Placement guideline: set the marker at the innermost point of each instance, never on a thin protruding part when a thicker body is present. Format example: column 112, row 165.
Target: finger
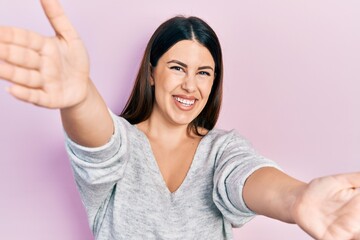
column 21, row 76
column 20, row 56
column 21, row 37
column 30, row 95
column 58, row 20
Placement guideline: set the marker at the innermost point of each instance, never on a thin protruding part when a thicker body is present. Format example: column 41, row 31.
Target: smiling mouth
column 185, row 102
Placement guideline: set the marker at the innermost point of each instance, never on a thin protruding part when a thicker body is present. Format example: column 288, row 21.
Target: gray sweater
column 126, row 197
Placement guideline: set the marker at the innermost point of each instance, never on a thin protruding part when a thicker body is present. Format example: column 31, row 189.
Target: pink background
column 291, row 87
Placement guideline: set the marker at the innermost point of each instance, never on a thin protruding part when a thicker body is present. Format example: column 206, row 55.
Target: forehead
column 190, row 52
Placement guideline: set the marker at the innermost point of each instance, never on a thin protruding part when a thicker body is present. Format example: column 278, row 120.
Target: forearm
column 272, row 193
column 88, row 123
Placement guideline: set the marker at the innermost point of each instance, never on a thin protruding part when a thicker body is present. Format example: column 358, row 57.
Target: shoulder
column 223, row 140
column 124, row 128
column 225, row 135
column 219, row 138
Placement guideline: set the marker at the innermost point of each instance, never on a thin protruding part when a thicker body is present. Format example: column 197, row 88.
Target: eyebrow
column 185, row 66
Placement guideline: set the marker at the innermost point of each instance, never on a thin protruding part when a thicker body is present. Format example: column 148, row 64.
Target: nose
column 189, row 83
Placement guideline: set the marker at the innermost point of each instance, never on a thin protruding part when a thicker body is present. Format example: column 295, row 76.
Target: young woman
column 161, row 170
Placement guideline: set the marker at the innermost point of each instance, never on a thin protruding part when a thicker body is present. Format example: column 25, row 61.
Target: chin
column 183, row 120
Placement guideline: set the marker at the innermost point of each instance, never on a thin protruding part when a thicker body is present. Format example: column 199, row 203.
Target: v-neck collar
column 153, row 165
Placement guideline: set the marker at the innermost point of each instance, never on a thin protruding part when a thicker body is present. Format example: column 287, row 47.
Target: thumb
column 58, row 20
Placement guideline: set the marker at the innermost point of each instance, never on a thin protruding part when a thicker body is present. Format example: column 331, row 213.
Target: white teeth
column 186, row 102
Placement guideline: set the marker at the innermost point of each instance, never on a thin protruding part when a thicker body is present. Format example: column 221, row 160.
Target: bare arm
column 272, row 193
column 327, row 208
column 53, row 72
column 88, row 123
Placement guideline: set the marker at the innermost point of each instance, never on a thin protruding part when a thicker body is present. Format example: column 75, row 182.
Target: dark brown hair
column 140, row 103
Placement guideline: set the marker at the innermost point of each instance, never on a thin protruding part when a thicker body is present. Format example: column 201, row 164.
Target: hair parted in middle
column 140, row 103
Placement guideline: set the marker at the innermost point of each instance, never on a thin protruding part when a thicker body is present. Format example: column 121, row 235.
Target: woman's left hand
column 328, row 208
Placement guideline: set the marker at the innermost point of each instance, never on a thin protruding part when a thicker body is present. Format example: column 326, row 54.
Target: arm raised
column 327, row 208
column 53, row 72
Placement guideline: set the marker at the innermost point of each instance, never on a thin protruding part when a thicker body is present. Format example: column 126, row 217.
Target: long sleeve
column 97, row 170
column 236, row 162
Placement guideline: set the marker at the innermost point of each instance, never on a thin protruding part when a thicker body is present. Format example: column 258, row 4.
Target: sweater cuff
column 97, row 154
column 236, row 181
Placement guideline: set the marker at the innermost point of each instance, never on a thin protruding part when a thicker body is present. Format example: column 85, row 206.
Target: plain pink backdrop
column 291, row 87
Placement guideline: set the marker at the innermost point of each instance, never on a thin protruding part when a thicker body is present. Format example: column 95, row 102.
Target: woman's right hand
column 51, row 72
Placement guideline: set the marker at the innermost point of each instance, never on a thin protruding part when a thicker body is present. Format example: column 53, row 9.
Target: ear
column 152, row 82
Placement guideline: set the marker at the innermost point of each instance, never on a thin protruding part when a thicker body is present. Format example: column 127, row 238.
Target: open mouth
column 185, row 102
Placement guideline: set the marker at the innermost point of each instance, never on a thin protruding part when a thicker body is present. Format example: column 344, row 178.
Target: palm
column 329, row 208
column 50, row 72
column 65, row 72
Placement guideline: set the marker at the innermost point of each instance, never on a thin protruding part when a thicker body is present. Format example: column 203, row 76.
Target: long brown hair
column 140, row 103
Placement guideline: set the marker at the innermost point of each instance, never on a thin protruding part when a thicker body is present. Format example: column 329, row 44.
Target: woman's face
column 183, row 79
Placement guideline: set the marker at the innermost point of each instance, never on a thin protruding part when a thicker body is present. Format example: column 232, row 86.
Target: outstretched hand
column 52, row 72
column 329, row 208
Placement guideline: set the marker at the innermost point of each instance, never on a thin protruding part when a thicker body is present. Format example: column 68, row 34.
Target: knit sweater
column 126, row 197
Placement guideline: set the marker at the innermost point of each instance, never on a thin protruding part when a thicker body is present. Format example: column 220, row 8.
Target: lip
column 182, row 106
column 186, row 97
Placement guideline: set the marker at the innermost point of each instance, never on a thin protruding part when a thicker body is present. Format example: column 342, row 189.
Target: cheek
column 166, row 81
column 164, row 88
column 205, row 88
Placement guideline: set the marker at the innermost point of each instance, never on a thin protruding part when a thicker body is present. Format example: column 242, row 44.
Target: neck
column 165, row 132
column 157, row 129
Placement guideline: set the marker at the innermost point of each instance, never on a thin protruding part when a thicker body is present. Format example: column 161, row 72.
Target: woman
column 161, row 171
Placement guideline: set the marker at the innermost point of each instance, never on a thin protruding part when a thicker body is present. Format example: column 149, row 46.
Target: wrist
column 85, row 96
column 296, row 202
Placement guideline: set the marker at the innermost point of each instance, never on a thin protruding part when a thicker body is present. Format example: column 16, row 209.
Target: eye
column 177, row 68
column 204, row 73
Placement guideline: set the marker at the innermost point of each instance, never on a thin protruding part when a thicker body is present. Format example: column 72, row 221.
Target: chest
column 174, row 162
